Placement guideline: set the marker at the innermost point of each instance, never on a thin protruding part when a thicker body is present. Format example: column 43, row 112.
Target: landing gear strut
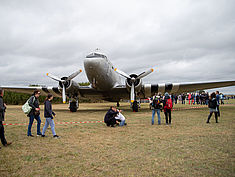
column 73, row 105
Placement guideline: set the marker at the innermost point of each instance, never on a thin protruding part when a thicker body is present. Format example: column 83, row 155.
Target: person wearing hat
column 156, row 107
column 167, row 105
column 34, row 113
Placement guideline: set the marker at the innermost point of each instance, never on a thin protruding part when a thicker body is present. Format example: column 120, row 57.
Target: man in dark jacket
column 49, row 114
column 34, row 113
column 2, row 116
column 109, row 118
column 183, row 98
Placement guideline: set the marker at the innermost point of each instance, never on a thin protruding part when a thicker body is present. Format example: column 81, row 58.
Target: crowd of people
column 195, row 98
column 159, row 103
column 113, row 117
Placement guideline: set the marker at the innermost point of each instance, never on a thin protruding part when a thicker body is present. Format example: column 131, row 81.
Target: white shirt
column 120, row 116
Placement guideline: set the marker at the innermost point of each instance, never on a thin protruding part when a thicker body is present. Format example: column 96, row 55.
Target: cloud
column 187, row 41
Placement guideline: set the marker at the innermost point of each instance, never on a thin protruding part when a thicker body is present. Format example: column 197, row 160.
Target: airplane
column 105, row 84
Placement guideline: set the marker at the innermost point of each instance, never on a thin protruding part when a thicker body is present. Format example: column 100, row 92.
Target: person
column 172, row 98
column 207, row 98
column 48, row 114
column 3, row 107
column 109, row 118
column 222, row 98
column 183, row 98
column 176, row 98
column 120, row 117
column 167, row 105
column 189, row 98
column 34, row 113
column 197, row 98
column 193, row 98
column 156, row 107
column 218, row 103
column 212, row 104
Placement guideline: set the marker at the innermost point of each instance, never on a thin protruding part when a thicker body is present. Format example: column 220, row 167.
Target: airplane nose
column 93, row 63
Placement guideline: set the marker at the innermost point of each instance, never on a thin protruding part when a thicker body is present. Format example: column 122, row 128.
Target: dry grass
column 189, row 147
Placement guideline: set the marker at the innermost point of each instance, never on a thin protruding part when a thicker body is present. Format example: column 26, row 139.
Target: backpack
column 26, row 108
column 212, row 104
column 168, row 104
column 156, row 103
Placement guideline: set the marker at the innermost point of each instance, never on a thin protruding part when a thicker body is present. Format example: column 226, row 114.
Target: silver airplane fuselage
column 100, row 72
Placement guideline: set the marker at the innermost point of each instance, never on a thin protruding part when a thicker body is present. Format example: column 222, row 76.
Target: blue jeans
column 31, row 119
column 122, row 123
column 49, row 121
column 158, row 115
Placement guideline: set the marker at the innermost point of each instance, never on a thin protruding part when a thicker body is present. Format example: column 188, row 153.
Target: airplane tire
column 135, row 107
column 73, row 107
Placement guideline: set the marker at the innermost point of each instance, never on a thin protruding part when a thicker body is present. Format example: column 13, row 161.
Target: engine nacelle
column 70, row 86
column 137, row 83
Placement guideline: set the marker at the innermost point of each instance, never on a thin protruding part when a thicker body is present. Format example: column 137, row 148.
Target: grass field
column 189, row 147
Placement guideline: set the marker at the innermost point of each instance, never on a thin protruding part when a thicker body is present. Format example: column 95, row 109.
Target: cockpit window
column 95, row 55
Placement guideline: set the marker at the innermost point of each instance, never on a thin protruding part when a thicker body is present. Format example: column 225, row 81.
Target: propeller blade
column 54, row 77
column 63, row 94
column 74, row 75
column 143, row 74
column 132, row 92
column 122, row 73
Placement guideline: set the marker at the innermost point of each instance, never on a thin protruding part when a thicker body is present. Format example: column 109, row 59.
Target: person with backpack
column 109, row 118
column 167, row 105
column 2, row 118
column 34, row 113
column 156, row 107
column 212, row 104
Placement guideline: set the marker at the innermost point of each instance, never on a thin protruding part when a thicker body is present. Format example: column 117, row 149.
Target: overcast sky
column 185, row 41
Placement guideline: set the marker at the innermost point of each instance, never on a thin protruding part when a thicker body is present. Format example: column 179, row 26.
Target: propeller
column 63, row 81
column 133, row 80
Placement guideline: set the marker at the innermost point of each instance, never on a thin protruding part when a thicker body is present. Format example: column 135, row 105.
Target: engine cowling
column 70, row 86
column 66, row 83
column 137, row 83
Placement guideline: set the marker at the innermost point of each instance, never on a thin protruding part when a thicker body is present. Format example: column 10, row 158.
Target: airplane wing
column 114, row 94
column 148, row 90
column 204, row 86
column 55, row 91
column 189, row 87
column 121, row 92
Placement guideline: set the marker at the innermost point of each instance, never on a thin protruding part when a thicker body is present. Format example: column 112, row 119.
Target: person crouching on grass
column 48, row 114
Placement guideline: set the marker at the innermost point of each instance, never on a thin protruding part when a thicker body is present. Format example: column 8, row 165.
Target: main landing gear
column 73, row 105
column 135, row 106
